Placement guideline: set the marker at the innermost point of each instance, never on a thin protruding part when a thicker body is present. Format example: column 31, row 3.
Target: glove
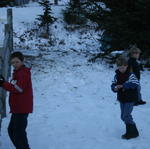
column 2, row 80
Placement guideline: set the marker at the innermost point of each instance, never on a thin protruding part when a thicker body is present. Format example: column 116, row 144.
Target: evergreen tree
column 4, row 3
column 75, row 3
column 92, row 10
column 125, row 23
column 74, row 13
column 46, row 18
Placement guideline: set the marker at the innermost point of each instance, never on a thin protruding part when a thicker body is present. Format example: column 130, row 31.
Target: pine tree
column 128, row 23
column 46, row 18
column 125, row 23
column 75, row 3
column 92, row 10
column 4, row 3
column 74, row 13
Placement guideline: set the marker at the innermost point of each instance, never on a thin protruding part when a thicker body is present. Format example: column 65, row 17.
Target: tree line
column 125, row 23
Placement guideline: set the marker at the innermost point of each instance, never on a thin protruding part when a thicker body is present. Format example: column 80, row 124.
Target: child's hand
column 116, row 89
column 119, row 86
column 2, row 80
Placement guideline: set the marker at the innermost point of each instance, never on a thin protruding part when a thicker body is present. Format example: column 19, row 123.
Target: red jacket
column 20, row 88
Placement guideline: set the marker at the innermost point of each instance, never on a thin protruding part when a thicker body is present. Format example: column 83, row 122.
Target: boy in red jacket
column 20, row 100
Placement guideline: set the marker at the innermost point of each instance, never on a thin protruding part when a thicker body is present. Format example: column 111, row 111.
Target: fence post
column 10, row 23
column 4, row 58
column 5, row 68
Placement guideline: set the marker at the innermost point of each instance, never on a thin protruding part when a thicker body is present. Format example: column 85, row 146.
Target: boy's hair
column 18, row 55
column 133, row 50
column 122, row 61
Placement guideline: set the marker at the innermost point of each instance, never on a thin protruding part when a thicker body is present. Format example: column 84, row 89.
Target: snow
column 74, row 107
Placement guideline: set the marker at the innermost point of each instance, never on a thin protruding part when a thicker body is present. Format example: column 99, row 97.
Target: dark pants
column 139, row 93
column 17, row 131
column 126, row 110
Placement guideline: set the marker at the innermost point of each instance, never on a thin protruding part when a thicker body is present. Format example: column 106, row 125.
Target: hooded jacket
column 20, row 88
column 130, row 83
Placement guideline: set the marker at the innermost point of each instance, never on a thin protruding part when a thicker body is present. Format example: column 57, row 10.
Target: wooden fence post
column 5, row 52
column 10, row 23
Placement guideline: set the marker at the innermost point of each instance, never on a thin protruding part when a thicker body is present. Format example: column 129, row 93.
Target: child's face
column 16, row 63
column 136, row 55
column 122, row 68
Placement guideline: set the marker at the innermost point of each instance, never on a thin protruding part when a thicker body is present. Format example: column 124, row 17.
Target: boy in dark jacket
column 125, row 85
column 135, row 67
column 20, row 100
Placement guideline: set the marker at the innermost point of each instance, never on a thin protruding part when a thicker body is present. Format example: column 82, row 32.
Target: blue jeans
column 126, row 110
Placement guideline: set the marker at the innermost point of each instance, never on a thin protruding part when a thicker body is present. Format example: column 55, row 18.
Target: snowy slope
column 74, row 107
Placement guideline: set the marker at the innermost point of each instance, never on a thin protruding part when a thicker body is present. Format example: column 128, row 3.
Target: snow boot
column 127, row 131
column 131, row 132
column 140, row 102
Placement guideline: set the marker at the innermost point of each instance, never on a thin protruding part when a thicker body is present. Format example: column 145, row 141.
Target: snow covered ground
column 74, row 107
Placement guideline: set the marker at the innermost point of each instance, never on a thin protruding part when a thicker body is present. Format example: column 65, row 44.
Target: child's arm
column 114, row 85
column 132, row 83
column 20, row 86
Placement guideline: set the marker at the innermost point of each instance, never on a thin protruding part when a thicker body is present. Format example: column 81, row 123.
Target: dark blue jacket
column 130, row 83
column 135, row 67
